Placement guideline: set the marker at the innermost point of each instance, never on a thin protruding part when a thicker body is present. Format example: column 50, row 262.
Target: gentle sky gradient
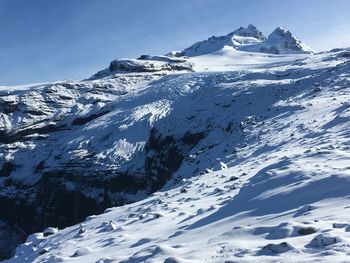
column 48, row 40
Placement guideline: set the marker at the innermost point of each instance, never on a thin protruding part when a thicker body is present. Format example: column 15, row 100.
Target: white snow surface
column 228, row 59
column 270, row 182
column 30, row 86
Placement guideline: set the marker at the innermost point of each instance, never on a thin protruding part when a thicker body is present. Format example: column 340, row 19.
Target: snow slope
column 228, row 59
column 265, row 175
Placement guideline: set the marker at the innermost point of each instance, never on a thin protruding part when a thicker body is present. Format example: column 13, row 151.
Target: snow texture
column 265, row 173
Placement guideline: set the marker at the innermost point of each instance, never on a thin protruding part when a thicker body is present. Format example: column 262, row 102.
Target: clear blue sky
column 47, row 40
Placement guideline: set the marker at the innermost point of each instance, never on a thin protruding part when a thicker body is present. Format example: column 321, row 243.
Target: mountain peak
column 250, row 39
column 281, row 33
column 283, row 40
column 250, row 31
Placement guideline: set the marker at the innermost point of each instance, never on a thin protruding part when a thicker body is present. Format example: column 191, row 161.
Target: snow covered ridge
column 237, row 46
column 230, row 166
column 145, row 63
column 280, row 41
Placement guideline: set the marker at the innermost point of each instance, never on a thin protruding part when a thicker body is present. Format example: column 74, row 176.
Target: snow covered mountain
column 280, row 41
column 229, row 156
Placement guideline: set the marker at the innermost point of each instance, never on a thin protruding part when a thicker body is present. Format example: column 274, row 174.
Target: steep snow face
column 285, row 41
column 204, row 47
column 280, row 41
column 239, row 37
column 259, row 165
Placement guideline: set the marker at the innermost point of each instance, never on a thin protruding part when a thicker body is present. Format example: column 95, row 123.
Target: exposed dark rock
column 7, row 168
column 345, row 54
column 144, row 65
column 8, row 106
column 307, row 230
column 49, row 231
column 84, row 120
column 233, row 178
column 277, row 248
column 10, row 236
column 43, row 251
column 19, row 136
column 171, row 260
column 193, row 138
column 183, row 190
column 40, row 166
column 167, row 155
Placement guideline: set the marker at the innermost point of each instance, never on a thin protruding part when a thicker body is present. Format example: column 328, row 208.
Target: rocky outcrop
column 165, row 154
column 67, row 152
column 145, row 64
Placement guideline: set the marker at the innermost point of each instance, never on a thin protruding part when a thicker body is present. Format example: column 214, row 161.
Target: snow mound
column 322, row 240
column 83, row 251
column 277, row 248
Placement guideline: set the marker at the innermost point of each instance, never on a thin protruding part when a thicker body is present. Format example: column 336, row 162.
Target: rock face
column 280, row 41
column 10, row 237
column 145, row 64
column 72, row 149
